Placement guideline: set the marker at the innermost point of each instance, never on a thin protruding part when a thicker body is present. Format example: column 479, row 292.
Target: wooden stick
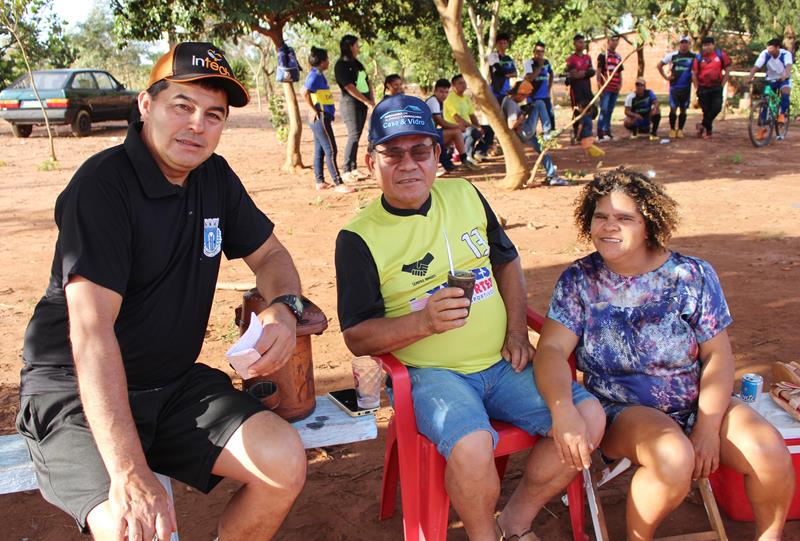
column 234, row 286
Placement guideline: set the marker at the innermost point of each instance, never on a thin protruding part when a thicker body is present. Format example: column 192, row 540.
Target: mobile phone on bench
column 347, row 400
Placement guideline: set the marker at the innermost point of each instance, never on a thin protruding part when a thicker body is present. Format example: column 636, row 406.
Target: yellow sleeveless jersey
column 411, row 259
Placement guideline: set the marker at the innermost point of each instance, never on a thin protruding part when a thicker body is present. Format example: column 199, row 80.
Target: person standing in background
column 357, row 99
column 680, row 84
column 318, row 96
column 579, row 75
column 606, row 63
column 539, row 72
column 710, row 75
column 501, row 67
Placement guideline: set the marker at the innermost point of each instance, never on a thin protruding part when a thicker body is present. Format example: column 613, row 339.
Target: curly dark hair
column 660, row 211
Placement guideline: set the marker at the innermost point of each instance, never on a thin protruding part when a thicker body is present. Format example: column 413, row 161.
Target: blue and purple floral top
column 639, row 335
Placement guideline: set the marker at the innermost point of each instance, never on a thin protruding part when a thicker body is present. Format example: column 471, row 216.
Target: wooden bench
column 327, row 425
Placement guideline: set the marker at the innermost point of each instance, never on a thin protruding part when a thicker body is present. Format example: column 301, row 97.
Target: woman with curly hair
column 648, row 327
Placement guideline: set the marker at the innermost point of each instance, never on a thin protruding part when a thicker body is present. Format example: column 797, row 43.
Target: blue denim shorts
column 449, row 405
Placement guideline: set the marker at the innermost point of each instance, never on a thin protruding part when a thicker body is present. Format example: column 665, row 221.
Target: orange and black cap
column 193, row 61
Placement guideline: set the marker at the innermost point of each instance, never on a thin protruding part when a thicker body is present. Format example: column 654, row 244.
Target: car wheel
column 134, row 115
column 21, row 130
column 82, row 125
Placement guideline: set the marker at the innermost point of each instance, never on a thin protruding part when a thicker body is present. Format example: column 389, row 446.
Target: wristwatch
column 294, row 302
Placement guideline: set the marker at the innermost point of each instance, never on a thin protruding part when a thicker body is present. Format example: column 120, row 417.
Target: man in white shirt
column 778, row 64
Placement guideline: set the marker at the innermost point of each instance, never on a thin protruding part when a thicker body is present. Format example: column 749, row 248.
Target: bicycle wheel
column 761, row 129
column 782, row 130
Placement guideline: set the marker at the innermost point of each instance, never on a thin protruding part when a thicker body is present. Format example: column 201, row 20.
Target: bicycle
column 764, row 116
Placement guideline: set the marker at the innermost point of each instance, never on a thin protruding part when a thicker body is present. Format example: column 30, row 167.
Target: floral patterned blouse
column 639, row 335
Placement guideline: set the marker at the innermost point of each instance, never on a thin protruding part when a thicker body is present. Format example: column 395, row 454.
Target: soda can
column 751, row 387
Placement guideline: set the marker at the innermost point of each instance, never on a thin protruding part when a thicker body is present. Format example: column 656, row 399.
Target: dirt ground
column 740, row 210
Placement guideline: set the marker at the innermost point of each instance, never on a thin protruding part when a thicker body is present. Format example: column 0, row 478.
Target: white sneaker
column 556, row 181
column 349, row 176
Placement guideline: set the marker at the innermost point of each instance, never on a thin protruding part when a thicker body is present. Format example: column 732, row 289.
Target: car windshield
column 45, row 80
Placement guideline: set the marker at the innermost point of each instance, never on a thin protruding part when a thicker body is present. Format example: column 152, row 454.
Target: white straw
column 449, row 254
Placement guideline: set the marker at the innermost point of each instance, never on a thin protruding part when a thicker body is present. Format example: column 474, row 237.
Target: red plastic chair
column 420, row 467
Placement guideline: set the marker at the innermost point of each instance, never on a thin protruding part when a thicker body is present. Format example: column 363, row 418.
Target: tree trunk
column 640, row 60
column 517, row 170
column 294, row 160
column 478, row 26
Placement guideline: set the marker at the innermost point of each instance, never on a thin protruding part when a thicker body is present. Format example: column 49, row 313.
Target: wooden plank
column 329, row 425
column 711, row 509
column 16, row 468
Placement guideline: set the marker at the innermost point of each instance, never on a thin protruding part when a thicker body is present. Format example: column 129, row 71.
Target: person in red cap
column 110, row 390
column 466, row 366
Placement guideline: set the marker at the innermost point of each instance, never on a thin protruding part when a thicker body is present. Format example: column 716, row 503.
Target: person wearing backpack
column 777, row 62
column 357, row 99
column 709, row 75
column 318, row 96
column 680, row 84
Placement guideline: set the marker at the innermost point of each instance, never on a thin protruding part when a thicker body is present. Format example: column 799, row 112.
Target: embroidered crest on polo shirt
column 212, row 237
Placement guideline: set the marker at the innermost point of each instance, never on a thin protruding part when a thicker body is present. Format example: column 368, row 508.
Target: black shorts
column 183, row 428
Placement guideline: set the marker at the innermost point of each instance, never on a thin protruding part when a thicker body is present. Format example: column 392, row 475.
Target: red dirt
column 740, row 210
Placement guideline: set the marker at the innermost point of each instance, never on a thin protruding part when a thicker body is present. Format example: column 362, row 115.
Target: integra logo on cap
column 410, row 115
column 212, row 62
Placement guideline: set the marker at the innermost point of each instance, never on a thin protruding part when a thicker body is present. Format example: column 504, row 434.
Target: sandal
column 322, row 186
column 527, row 535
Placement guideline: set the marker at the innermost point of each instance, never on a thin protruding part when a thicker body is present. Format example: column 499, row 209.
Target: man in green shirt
column 466, row 367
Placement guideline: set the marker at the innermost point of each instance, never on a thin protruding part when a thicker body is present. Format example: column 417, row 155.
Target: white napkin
column 243, row 353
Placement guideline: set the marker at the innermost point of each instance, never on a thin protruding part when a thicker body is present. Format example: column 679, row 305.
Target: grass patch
column 736, row 159
column 48, row 165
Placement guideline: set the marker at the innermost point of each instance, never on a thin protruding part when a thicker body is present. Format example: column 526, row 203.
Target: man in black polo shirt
column 141, row 228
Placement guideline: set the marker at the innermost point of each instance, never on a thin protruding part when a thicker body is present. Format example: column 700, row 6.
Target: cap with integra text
column 400, row 115
column 193, row 61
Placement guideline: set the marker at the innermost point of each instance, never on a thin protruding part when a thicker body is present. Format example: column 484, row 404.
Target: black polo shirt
column 124, row 226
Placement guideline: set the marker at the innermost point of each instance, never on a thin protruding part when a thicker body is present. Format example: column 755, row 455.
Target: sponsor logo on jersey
column 419, row 268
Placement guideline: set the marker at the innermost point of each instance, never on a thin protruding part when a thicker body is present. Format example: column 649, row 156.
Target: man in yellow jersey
column 465, row 368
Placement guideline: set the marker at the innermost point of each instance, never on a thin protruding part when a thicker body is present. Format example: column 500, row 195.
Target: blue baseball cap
column 400, row 115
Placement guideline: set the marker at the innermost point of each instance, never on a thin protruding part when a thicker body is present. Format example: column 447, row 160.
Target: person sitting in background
column 501, row 67
column 607, row 62
column 539, row 72
column 778, row 64
column 642, row 114
column 459, row 110
column 579, row 75
column 648, row 328
column 680, row 84
column 449, row 133
column 318, row 96
column 393, row 85
column 522, row 125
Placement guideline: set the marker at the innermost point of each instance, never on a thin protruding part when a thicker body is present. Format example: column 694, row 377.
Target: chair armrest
column 401, row 391
column 536, row 322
